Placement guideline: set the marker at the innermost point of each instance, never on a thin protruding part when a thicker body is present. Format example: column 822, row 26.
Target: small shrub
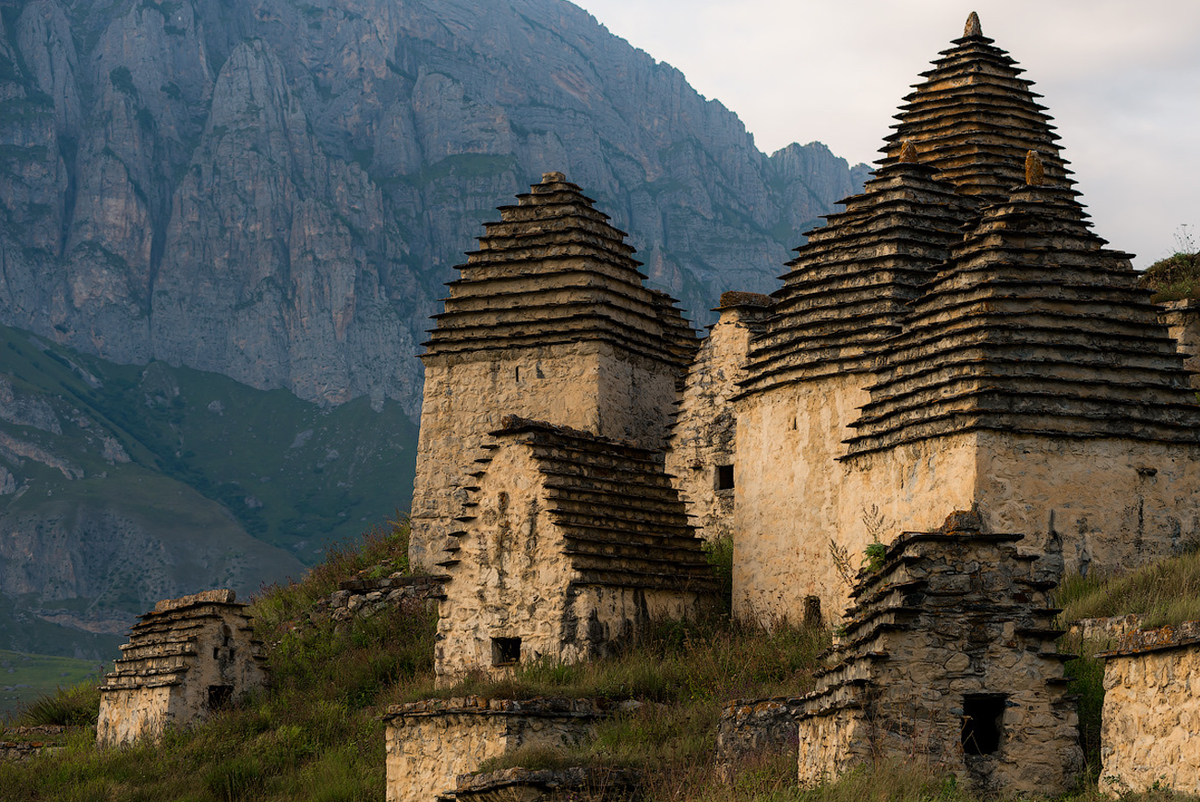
column 1087, row 680
column 76, row 706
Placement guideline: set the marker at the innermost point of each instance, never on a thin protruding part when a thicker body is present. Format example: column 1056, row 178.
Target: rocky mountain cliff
column 276, row 190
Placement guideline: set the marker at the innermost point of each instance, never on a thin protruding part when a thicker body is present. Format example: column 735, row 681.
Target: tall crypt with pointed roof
column 550, row 321
column 958, row 339
column 955, row 339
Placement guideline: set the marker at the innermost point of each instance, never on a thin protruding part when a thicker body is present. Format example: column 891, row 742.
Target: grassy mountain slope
column 121, row 485
column 316, row 734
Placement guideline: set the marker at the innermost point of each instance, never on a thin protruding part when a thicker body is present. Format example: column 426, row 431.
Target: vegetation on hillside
column 1164, row 592
column 316, row 733
column 1177, row 276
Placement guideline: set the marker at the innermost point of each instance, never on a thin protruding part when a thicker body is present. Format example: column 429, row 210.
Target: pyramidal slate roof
column 621, row 521
column 848, row 287
column 1032, row 326
column 974, row 119
column 553, row 270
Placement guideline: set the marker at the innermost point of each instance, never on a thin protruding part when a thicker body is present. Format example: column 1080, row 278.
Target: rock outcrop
column 275, row 191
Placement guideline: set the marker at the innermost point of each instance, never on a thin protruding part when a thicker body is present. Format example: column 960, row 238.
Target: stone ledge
column 224, row 596
column 1154, row 640
column 389, row 583
column 543, row 707
column 735, row 298
column 524, row 785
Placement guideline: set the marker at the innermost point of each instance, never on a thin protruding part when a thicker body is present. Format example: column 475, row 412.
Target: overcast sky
column 1120, row 77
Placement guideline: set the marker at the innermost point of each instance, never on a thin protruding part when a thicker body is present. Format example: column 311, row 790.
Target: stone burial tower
column 186, row 658
column 958, row 338
column 571, row 544
column 550, row 320
column 948, row 657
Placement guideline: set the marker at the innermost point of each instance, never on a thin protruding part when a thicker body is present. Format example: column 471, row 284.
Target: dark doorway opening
column 983, row 723
column 506, row 651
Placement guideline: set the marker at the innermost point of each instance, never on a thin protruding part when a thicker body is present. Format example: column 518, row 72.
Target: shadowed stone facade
column 185, row 659
column 948, row 656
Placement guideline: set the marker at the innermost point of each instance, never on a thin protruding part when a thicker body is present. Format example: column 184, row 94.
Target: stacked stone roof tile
column 622, row 523
column 974, row 119
column 162, row 646
column 1032, row 326
column 848, row 287
column 553, row 270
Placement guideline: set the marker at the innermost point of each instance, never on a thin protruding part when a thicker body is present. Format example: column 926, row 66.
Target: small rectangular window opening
column 506, row 651
column 724, row 477
column 219, row 696
column 983, row 723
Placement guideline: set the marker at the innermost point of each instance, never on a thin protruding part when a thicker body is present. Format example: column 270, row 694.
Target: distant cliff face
column 276, row 190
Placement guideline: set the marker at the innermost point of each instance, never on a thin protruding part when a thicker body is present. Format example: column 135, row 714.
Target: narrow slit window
column 724, row 479
column 983, row 723
column 506, row 651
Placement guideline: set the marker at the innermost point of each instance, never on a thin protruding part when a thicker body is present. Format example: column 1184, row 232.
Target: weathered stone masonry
column 1150, row 731
column 550, row 321
column 431, row 743
column 948, row 656
column 186, row 658
column 570, row 545
column 958, row 338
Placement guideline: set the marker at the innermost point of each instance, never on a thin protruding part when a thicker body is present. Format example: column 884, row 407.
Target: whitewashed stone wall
column 1150, row 731
column 590, row 386
column 704, row 435
column 1105, row 503
column 431, row 743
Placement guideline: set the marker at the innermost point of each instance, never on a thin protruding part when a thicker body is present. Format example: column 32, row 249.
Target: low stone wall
column 362, row 598
column 753, row 727
column 431, row 743
column 1109, row 630
column 23, row 743
column 552, row 785
column 1150, row 731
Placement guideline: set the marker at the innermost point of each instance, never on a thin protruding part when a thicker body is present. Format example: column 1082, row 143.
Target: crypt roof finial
column 973, row 27
column 908, row 153
column 1035, row 170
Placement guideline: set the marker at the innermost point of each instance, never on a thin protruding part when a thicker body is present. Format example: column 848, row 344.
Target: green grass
column 1174, row 278
column 1165, row 592
column 315, row 734
column 25, row 678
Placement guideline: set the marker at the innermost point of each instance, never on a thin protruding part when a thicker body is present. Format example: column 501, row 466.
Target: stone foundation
column 1150, row 735
column 431, row 743
column 184, row 660
column 756, row 727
